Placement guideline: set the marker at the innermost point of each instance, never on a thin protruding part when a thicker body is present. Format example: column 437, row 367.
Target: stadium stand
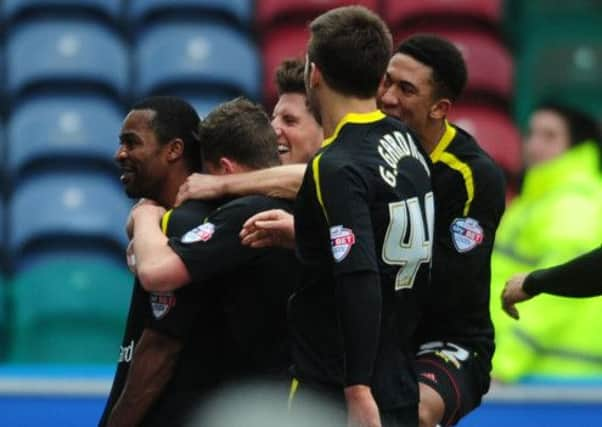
column 69, row 311
column 274, row 12
column 191, row 57
column 17, row 9
column 72, row 128
column 239, row 11
column 53, row 210
column 68, row 53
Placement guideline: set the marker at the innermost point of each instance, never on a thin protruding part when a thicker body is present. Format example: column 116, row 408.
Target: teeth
column 283, row 148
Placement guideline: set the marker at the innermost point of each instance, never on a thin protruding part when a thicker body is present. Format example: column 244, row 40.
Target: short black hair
column 351, row 46
column 443, row 58
column 175, row 118
column 240, row 130
column 289, row 77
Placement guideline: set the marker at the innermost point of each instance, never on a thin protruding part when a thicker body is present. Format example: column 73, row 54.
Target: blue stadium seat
column 106, row 8
column 239, row 10
column 66, row 52
column 67, row 205
column 63, row 127
column 204, row 104
column 69, row 311
column 196, row 57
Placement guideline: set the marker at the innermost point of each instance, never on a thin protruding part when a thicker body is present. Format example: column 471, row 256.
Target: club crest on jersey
column 466, row 234
column 341, row 241
column 161, row 303
column 202, row 233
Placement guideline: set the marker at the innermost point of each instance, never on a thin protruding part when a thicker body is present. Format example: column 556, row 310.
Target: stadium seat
column 240, row 11
column 47, row 208
column 197, row 57
column 398, row 13
column 204, row 104
column 278, row 45
column 69, row 53
column 69, row 311
column 495, row 133
column 269, row 12
column 63, row 127
column 563, row 63
column 490, row 65
column 106, row 8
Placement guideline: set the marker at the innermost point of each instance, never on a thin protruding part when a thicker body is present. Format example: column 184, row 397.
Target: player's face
column 299, row 135
column 547, row 138
column 406, row 92
column 140, row 156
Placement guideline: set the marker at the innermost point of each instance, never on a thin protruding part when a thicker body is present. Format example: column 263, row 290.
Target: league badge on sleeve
column 466, row 234
column 161, row 303
column 341, row 240
column 202, row 233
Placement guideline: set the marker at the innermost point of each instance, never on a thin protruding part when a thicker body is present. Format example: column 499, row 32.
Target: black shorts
column 456, row 374
column 305, row 400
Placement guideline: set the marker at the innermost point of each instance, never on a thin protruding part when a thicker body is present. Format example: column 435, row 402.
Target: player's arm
column 280, row 181
column 158, row 267
column 151, row 368
column 358, row 293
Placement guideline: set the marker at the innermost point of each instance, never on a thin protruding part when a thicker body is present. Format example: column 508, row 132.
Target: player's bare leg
column 431, row 407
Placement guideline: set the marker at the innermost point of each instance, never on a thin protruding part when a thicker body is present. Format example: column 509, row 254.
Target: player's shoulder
column 189, row 213
column 254, row 203
column 467, row 150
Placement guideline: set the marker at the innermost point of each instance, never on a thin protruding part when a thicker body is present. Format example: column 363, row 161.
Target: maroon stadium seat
column 400, row 11
column 280, row 44
column 271, row 11
column 490, row 65
column 494, row 131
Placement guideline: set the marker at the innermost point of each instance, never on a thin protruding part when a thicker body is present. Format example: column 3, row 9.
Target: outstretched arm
column 280, row 181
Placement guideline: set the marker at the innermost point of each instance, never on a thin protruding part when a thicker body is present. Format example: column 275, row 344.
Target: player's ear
column 175, row 149
column 226, row 166
column 440, row 109
column 315, row 75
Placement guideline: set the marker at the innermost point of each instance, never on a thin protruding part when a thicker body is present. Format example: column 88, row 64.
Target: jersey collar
column 446, row 139
column 359, row 118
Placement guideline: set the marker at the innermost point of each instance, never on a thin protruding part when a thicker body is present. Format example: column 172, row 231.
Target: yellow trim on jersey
column 360, row 118
column 165, row 220
column 440, row 155
column 315, row 166
column 446, row 139
column 458, row 165
column 292, row 392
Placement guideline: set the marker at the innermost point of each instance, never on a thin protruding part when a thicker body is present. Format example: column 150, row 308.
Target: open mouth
column 283, row 149
column 127, row 174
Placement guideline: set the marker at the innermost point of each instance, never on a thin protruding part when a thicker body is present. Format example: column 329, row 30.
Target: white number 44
column 412, row 252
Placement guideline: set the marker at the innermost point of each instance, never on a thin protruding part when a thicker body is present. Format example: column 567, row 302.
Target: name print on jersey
column 393, row 147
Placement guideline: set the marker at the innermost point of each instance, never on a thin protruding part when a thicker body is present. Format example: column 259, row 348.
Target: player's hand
column 269, row 228
column 361, row 407
column 513, row 293
column 147, row 208
column 200, row 186
column 129, row 226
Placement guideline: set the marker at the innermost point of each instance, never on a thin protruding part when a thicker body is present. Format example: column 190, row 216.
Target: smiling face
column 299, row 135
column 140, row 156
column 407, row 91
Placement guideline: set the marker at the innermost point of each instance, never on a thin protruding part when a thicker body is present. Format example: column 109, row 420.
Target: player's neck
column 335, row 106
column 432, row 134
column 169, row 191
